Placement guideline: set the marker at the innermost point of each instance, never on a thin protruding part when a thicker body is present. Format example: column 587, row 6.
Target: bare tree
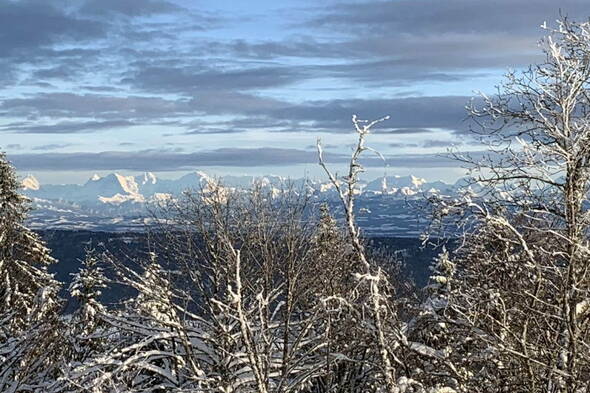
column 244, row 308
column 385, row 335
column 523, row 269
column 259, row 279
column 347, row 189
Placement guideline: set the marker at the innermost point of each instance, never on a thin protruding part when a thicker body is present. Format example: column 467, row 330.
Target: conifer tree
column 155, row 295
column 29, row 304
column 86, row 287
column 28, row 291
column 334, row 257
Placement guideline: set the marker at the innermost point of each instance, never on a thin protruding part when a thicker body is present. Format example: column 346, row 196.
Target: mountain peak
column 417, row 181
column 388, row 184
column 128, row 184
column 202, row 174
column 201, row 177
column 31, row 183
column 111, row 184
column 117, row 189
column 147, row 178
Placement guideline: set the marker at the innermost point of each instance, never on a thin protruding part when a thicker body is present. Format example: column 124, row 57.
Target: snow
column 128, row 184
column 159, row 196
column 416, row 181
column 147, row 185
column 31, row 183
column 119, row 199
column 147, row 178
column 102, row 198
column 582, row 308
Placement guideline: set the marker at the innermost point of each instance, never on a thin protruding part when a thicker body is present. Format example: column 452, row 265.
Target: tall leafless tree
column 523, row 270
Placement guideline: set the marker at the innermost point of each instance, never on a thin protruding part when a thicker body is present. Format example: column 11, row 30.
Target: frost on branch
column 523, row 258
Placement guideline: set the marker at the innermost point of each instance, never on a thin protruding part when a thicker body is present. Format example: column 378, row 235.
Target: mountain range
column 119, row 203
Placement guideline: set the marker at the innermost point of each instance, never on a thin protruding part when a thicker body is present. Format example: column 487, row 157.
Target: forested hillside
column 69, row 249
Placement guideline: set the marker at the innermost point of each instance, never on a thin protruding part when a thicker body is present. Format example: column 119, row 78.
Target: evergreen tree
column 86, row 287
column 151, row 348
column 29, row 305
column 28, row 291
column 155, row 294
column 334, row 258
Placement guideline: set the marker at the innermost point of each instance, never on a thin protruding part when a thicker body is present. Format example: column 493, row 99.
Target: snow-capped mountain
column 116, row 202
column 30, row 183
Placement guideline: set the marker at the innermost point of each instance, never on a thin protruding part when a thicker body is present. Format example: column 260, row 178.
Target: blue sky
column 247, row 87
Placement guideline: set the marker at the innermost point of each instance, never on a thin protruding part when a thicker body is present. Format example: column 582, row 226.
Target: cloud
column 408, row 115
column 128, row 8
column 417, row 161
column 428, row 17
column 217, row 102
column 326, row 146
column 68, row 127
column 95, row 112
column 94, row 65
column 158, row 160
column 43, row 35
column 408, row 41
column 192, row 80
column 404, row 59
column 52, row 146
column 171, row 160
column 403, row 145
column 94, row 105
column 403, row 131
column 240, row 124
column 440, row 143
column 405, row 41
column 64, row 40
column 425, row 65
column 28, row 26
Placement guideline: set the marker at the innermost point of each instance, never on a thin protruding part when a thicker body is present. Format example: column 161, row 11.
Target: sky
column 247, row 87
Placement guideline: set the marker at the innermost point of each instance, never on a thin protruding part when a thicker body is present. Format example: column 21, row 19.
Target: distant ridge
column 115, row 202
column 101, row 189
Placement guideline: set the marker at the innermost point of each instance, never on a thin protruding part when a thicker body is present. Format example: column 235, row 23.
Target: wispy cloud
column 69, row 127
column 51, row 146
